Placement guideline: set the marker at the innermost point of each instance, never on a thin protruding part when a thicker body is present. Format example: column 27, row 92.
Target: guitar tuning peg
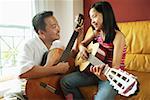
column 76, row 19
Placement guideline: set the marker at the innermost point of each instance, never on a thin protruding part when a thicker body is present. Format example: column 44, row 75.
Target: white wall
column 65, row 12
column 77, row 7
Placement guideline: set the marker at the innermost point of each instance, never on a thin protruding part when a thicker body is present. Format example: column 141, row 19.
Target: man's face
column 52, row 29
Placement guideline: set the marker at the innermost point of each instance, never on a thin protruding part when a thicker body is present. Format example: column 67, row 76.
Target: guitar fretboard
column 67, row 51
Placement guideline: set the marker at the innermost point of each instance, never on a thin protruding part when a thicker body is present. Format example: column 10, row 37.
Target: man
column 30, row 57
column 47, row 29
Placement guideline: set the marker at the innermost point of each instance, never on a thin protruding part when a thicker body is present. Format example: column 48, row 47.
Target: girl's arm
column 119, row 43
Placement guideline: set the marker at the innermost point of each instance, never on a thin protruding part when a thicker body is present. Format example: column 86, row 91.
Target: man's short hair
column 38, row 20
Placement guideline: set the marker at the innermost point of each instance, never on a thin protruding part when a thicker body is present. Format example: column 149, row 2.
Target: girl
column 112, row 43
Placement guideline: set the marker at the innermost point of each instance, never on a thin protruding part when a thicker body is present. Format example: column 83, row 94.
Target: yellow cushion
column 144, row 82
column 142, row 94
column 138, row 46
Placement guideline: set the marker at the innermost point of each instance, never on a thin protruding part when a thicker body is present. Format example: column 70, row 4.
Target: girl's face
column 96, row 19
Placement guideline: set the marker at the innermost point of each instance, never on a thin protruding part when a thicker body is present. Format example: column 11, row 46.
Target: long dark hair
column 109, row 22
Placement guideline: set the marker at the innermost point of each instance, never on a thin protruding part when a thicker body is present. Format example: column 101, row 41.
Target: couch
column 137, row 60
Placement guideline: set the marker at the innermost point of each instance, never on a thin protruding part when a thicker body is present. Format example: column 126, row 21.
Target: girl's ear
column 41, row 34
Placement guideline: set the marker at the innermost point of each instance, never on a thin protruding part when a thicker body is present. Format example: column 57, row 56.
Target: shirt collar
column 41, row 43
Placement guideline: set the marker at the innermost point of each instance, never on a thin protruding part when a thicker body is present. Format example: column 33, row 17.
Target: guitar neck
column 67, row 51
column 95, row 61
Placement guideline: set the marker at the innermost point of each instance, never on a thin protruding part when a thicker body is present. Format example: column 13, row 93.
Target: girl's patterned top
column 105, row 52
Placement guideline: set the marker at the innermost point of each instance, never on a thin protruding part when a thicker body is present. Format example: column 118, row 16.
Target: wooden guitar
column 123, row 82
column 47, row 88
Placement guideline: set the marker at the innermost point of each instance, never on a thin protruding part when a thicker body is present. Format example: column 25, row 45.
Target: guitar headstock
column 79, row 20
column 125, row 83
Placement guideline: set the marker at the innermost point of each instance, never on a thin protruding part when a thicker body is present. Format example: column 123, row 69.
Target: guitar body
column 83, row 64
column 33, row 89
column 36, row 92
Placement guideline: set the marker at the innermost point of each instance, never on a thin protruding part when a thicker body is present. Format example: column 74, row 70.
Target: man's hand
column 62, row 67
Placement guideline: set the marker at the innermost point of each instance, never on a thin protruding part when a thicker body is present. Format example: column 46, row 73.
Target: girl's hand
column 97, row 70
column 83, row 52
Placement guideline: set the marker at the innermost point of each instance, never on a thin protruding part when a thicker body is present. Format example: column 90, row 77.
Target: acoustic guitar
column 123, row 82
column 47, row 88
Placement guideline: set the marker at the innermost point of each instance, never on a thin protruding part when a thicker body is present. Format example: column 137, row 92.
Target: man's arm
column 41, row 71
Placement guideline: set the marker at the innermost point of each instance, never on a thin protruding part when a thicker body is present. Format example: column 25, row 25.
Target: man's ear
column 41, row 33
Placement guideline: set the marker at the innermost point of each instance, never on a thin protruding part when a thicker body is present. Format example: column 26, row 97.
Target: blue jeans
column 71, row 83
column 105, row 91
